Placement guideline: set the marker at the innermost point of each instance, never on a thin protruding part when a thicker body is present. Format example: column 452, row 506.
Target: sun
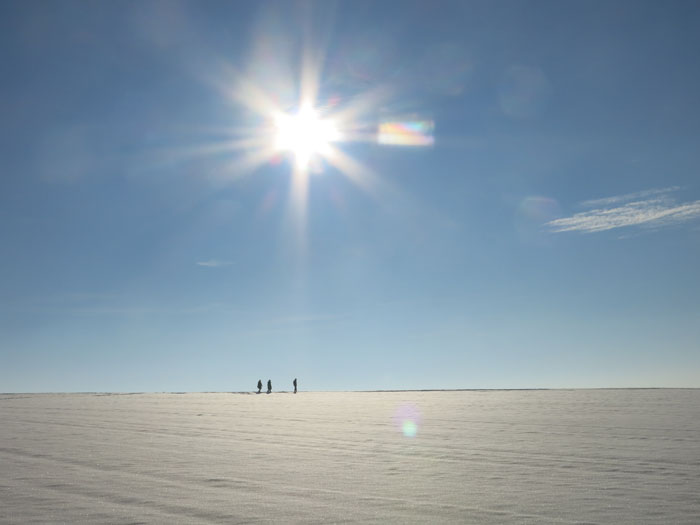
column 305, row 135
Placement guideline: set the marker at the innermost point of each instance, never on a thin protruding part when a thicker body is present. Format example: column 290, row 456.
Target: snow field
column 553, row 456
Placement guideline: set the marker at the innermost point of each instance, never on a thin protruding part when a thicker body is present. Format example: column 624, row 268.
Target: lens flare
column 531, row 216
column 539, row 209
column 406, row 133
column 407, row 419
column 409, row 429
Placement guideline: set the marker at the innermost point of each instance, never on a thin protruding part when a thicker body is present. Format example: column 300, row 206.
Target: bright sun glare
column 313, row 134
column 304, row 134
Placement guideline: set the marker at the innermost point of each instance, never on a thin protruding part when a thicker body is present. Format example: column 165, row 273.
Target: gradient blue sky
column 549, row 238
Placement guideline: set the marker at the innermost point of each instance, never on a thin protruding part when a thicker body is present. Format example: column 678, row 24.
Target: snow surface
column 557, row 456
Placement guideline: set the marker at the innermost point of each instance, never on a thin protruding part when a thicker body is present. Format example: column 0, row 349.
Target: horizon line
column 242, row 392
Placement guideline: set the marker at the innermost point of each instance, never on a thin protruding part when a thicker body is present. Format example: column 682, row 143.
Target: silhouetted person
column 269, row 386
column 259, row 385
column 295, row 385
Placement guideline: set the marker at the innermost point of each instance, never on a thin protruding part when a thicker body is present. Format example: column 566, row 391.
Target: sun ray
column 354, row 170
column 360, row 112
column 312, row 59
column 298, row 200
column 241, row 91
column 244, row 165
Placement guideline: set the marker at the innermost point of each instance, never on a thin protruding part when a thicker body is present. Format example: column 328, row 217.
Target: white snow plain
column 541, row 456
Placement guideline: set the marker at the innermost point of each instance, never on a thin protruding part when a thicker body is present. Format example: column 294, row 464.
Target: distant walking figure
column 259, row 385
column 295, row 385
column 269, row 386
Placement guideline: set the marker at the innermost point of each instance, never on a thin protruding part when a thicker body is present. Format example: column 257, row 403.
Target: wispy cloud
column 649, row 209
column 214, row 263
column 627, row 197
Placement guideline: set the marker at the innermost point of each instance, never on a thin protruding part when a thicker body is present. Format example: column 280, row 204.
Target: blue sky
column 548, row 237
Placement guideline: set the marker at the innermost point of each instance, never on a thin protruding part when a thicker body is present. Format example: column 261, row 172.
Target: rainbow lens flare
column 406, row 133
column 409, row 429
column 539, row 209
column 407, row 419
